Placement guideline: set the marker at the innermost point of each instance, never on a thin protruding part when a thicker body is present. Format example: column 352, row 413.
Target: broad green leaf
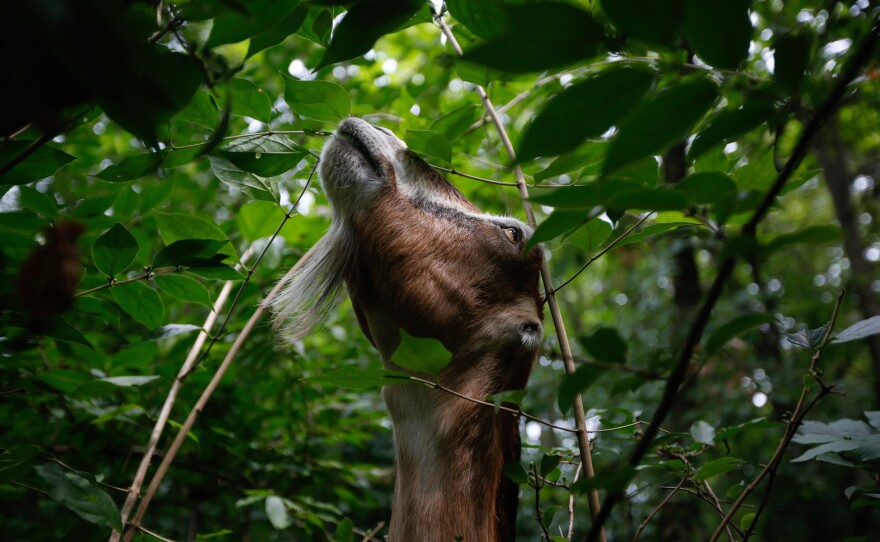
column 63, row 380
column 318, row 100
column 812, row 432
column 869, row 450
column 706, row 187
column 258, row 219
column 829, row 447
column 791, row 60
column 126, row 202
column 548, row 463
column 39, row 165
column 201, row 111
column 758, row 174
column 589, row 154
column 719, row 31
column 155, row 193
column 263, row 155
column 129, row 381
column 812, row 235
column 660, row 121
column 184, row 288
column 653, row 21
column 246, row 99
column 430, row 144
column 584, row 196
column 176, row 227
column 486, row 19
column 344, row 531
column 757, row 423
column 730, row 124
column 606, row 344
column 363, row 24
column 265, row 188
column 114, row 250
column 719, row 466
column 170, row 330
column 217, row 272
column 859, row 330
column 191, row 253
column 60, row 330
column 421, row 354
column 558, row 223
column 745, row 522
column 703, row 432
column 585, row 109
column 647, row 199
column 651, row 231
column 37, row 201
column 574, row 384
column 510, row 396
column 590, row 235
column 81, row 496
column 247, row 18
column 276, row 511
column 140, row 302
column 132, row 168
column 279, row 31
column 735, row 328
column 516, row 472
column 538, row 37
column 453, row 124
column 356, row 378
column 317, row 26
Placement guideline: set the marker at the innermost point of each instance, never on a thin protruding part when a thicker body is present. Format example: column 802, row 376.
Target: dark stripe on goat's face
column 448, row 214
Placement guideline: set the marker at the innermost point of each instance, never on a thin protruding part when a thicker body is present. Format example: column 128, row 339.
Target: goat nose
column 385, row 131
column 531, row 327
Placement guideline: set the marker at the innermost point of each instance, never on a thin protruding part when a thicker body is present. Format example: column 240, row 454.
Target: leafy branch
column 695, row 333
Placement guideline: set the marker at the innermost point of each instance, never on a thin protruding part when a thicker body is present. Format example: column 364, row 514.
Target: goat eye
column 513, row 234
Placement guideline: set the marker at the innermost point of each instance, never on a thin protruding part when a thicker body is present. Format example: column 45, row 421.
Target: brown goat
column 416, row 255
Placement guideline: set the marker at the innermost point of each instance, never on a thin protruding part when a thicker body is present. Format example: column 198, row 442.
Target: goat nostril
column 385, row 131
column 531, row 327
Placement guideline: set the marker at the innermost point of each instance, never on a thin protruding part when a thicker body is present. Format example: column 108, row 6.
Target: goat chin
column 415, row 254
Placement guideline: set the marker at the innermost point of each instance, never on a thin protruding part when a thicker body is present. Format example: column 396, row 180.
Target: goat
column 415, row 254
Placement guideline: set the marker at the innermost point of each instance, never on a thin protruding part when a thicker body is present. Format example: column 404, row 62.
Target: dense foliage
column 714, row 164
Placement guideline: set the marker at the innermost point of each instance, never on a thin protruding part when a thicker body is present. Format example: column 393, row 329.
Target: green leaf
column 735, row 328
column 17, row 461
column 706, row 187
column 140, row 302
column 114, row 250
column 595, row 103
column 719, row 466
column 258, row 219
column 430, row 144
column 590, row 235
column 264, row 155
column 318, row 25
column 653, row 21
column 421, row 354
column 63, row 380
column 363, row 24
column 719, row 31
column 558, row 223
column 538, row 37
column 757, row 423
column 191, row 253
column 265, row 188
column 247, row 99
column 486, row 19
column 132, row 168
column 745, row 522
column 170, row 330
column 356, row 378
column 129, row 381
column 829, row 447
column 454, row 123
column 548, row 463
column 247, row 18
column 660, row 121
column 587, row 155
column 33, row 199
column 606, row 344
column 81, row 496
column 279, row 31
column 859, row 330
column 318, row 100
column 184, row 289
column 651, row 231
column 812, row 235
column 791, row 60
column 276, row 511
column 60, row 330
column 583, row 196
column 703, row 432
column 730, row 124
column 201, row 111
column 647, row 199
column 516, row 472
column 344, row 531
column 175, row 227
column 45, row 161
column 575, row 384
column 510, row 396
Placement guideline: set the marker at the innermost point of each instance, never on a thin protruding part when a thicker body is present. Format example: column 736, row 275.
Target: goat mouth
column 352, row 141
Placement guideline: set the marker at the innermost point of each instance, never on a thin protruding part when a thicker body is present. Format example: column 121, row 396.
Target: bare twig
column 657, row 509
column 800, row 412
column 369, row 536
column 452, row 171
column 155, row 534
column 146, row 276
column 577, row 473
column 539, row 514
column 725, row 270
column 717, row 504
column 578, row 406
column 602, row 252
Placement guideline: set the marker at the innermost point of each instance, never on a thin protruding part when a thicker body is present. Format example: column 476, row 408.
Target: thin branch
column 32, row 488
column 602, row 252
column 718, row 507
column 154, row 534
column 794, row 423
column 146, row 276
column 561, row 334
column 725, row 270
column 369, row 536
column 38, row 143
column 499, row 183
column 657, row 509
column 577, row 473
column 255, row 134
column 539, row 514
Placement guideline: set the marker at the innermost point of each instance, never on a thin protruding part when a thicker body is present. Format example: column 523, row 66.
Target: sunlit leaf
column 319, row 100
column 132, row 168
column 859, row 330
column 430, row 144
column 703, row 432
column 184, row 288
column 129, row 381
column 719, row 466
column 279, row 31
column 170, row 330
column 263, row 155
column 421, row 354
